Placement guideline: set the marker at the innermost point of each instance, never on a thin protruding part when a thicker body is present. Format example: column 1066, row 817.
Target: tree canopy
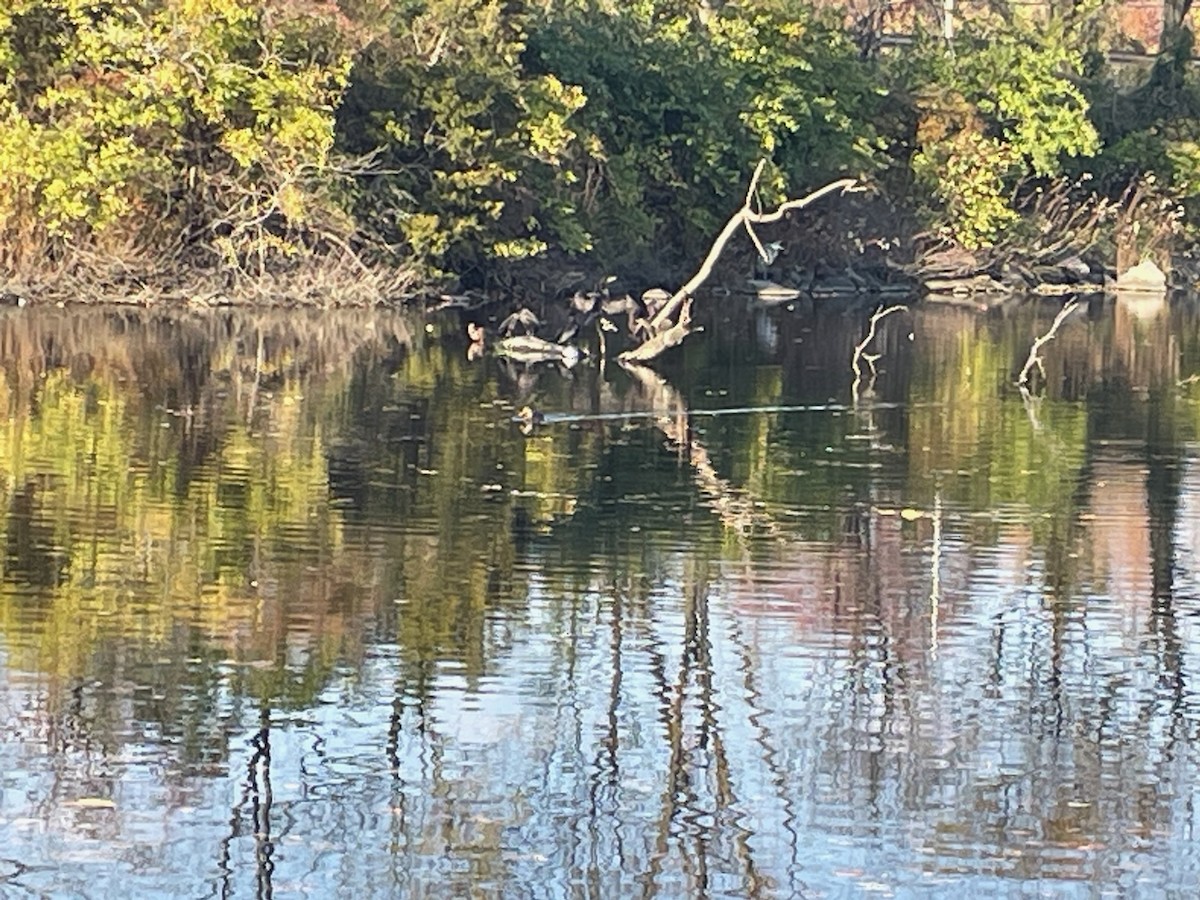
column 450, row 136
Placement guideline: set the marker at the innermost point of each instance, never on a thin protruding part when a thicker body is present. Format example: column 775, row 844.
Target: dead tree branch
column 663, row 340
column 1035, row 358
column 860, row 350
column 668, row 323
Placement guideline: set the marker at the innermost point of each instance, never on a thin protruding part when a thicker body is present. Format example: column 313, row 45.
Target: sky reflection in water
column 290, row 607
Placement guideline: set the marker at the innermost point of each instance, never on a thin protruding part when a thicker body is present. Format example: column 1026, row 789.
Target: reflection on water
column 291, row 607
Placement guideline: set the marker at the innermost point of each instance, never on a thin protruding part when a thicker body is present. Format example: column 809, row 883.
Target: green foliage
column 803, row 94
column 511, row 130
column 1151, row 155
column 461, row 133
column 476, row 149
column 156, row 117
column 999, row 108
column 1154, row 129
column 679, row 109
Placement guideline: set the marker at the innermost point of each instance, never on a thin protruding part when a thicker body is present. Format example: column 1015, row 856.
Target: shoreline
column 314, row 283
column 330, row 282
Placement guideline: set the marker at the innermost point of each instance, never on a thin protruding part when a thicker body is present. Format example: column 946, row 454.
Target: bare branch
column 843, row 185
column 745, row 216
column 750, row 191
column 860, row 350
column 758, row 245
column 1035, row 358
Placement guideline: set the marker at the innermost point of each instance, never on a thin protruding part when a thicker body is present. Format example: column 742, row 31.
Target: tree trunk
column 1174, row 44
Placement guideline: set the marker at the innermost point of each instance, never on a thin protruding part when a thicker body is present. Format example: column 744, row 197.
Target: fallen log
column 663, row 340
column 527, row 348
column 670, row 325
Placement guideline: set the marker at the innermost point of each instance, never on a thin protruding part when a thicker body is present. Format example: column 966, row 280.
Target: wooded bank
column 367, row 149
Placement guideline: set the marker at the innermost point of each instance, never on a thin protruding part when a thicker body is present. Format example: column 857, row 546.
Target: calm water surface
column 291, row 607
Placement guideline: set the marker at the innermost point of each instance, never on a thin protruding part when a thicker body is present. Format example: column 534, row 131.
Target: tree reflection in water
column 290, row 605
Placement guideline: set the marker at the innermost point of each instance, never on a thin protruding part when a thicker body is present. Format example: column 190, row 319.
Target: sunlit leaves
column 479, row 149
column 127, row 107
column 679, row 110
column 1002, row 104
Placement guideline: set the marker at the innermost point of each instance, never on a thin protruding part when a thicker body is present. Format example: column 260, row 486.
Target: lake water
column 291, row 607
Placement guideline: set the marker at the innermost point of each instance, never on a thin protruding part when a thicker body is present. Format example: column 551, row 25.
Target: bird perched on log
column 583, row 307
column 764, row 260
column 523, row 321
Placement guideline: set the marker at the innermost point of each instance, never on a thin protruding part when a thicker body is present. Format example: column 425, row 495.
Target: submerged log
column 530, row 349
column 768, row 292
column 967, row 286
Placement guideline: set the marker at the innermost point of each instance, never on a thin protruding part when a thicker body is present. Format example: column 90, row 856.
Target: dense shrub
column 471, row 150
column 506, row 130
column 168, row 122
column 680, row 107
column 455, row 134
column 999, row 107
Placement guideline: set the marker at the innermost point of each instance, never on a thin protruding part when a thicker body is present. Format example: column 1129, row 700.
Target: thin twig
column 1035, row 358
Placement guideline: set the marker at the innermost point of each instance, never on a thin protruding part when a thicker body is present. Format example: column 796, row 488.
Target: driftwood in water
column 663, row 340
column 672, row 323
column 860, row 350
column 1035, row 351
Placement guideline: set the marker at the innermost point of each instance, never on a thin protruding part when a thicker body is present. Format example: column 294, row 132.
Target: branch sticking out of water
column 662, row 340
column 1035, row 358
column 668, row 323
column 860, row 350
